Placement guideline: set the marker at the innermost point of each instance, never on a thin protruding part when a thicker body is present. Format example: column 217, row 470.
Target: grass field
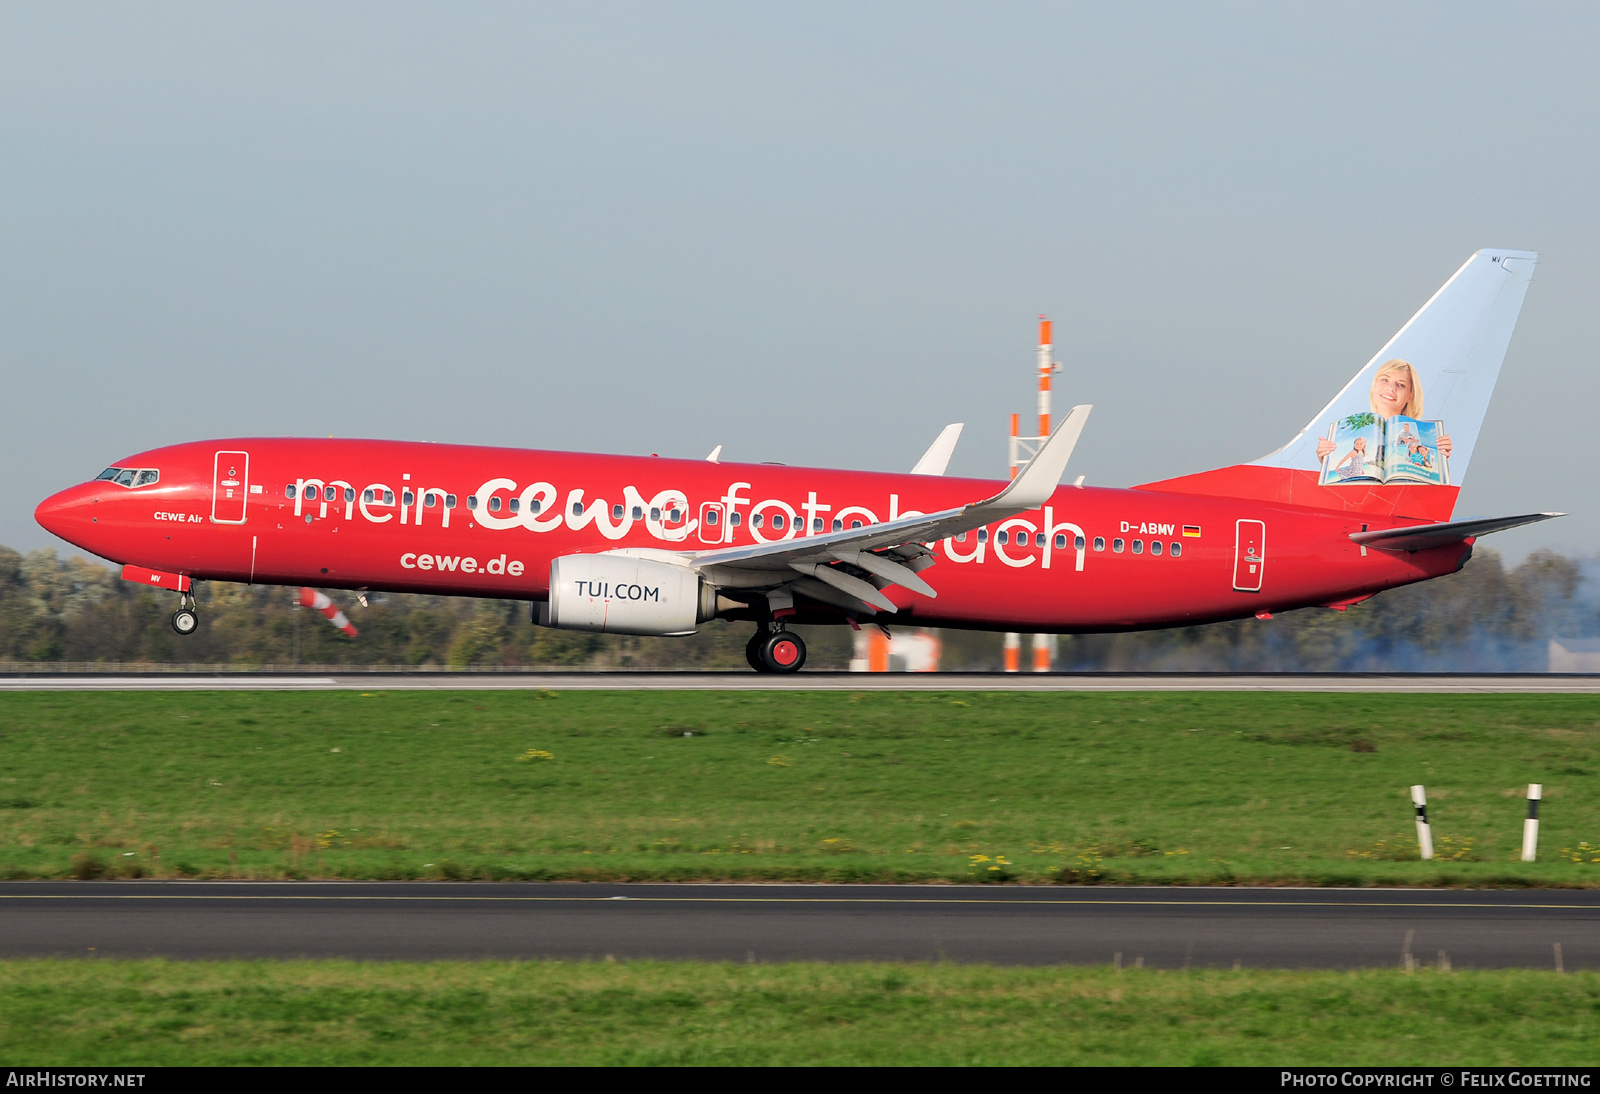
column 89, row 1013
column 1167, row 788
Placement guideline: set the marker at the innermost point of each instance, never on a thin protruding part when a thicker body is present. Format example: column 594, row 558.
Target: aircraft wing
column 937, row 457
column 1417, row 537
column 845, row 562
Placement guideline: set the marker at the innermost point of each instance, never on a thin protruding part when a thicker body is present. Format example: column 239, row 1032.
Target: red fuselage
column 336, row 514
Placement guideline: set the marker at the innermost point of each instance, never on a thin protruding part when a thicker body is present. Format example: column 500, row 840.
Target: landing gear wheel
column 752, row 649
column 184, row 621
column 783, row 652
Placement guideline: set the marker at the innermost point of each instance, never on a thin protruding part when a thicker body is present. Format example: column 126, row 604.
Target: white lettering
column 300, row 494
column 412, row 565
column 469, row 565
column 513, row 568
column 379, row 493
column 1025, row 539
column 953, row 556
column 812, row 509
column 496, row 565
column 539, row 510
column 424, row 562
column 1051, row 528
column 491, row 520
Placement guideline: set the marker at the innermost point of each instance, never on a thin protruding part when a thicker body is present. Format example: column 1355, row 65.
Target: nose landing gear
column 775, row 651
column 185, row 619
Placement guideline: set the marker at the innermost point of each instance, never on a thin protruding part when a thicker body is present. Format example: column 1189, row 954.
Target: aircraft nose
column 63, row 515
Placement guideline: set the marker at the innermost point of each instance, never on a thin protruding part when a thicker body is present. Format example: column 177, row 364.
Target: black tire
column 185, row 621
column 752, row 649
column 783, row 652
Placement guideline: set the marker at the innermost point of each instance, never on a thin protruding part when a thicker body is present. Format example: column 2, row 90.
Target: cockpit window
column 129, row 476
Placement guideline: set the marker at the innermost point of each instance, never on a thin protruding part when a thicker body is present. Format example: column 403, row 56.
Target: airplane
column 1360, row 500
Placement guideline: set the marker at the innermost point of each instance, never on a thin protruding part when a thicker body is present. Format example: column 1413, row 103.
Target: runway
column 1011, row 925
column 1508, row 683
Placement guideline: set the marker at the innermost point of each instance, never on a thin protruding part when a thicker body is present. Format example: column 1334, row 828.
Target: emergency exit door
column 230, row 483
column 1249, row 555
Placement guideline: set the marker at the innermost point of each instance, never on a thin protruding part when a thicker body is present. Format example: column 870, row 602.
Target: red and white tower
column 1024, row 449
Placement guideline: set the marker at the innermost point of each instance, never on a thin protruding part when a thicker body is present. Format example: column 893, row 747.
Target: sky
column 812, row 233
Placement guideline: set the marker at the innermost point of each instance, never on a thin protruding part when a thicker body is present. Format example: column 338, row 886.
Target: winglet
column 716, row 455
column 937, row 457
column 1039, row 479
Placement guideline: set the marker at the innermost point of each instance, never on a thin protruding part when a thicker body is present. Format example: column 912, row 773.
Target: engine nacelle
column 622, row 594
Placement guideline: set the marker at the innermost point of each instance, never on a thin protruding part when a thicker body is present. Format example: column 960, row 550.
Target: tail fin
column 1435, row 376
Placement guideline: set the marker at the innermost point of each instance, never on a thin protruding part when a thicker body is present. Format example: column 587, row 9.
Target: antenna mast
column 1024, row 449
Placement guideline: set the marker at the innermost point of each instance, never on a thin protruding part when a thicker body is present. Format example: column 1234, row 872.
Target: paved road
column 1167, row 928
column 1531, row 683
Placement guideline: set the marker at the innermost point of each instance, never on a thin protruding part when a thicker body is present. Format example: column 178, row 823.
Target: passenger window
column 369, row 496
column 388, row 497
column 711, row 516
column 961, row 537
column 1116, row 546
column 449, row 501
column 1099, row 543
column 616, row 512
column 349, row 494
column 408, row 497
column 577, row 508
column 778, row 521
column 1138, row 546
column 735, row 518
column 330, row 493
column 655, row 513
column 983, row 535
column 1061, row 541
column 288, row 492
column 638, row 513
column 838, row 525
column 515, row 505
column 816, row 524
column 675, row 516
column 494, row 505
column 1039, row 538
column 855, row 524
column 1002, row 537
column 1077, row 543
column 430, row 499
column 1155, row 546
column 535, row 505
column 1177, row 549
column 472, row 502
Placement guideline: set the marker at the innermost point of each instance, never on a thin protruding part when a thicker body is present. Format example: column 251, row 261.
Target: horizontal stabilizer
column 1421, row 536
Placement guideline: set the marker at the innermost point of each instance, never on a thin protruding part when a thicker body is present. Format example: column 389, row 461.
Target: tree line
column 60, row 611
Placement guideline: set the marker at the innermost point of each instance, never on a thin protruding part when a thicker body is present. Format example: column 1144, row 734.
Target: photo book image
column 1367, row 449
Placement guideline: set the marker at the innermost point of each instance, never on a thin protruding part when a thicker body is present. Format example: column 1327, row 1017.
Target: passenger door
column 1249, row 555
column 230, row 484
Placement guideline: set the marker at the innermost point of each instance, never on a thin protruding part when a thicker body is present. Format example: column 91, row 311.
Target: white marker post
column 1424, row 834
column 1530, row 827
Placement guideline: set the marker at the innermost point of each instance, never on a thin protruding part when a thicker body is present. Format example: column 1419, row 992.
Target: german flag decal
column 1192, row 530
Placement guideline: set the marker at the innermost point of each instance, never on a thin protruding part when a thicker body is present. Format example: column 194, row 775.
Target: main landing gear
column 775, row 651
column 185, row 619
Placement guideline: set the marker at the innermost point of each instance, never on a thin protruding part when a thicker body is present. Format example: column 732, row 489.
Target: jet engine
column 624, row 594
